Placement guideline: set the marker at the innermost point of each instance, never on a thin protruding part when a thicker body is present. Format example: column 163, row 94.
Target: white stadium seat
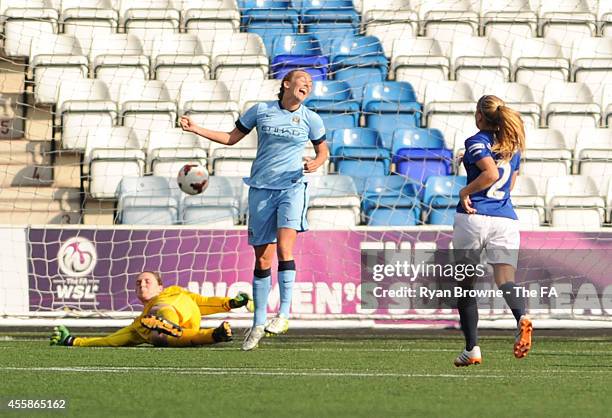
column 207, row 96
column 592, row 63
column 170, row 149
column 148, row 200
column 447, row 19
column 507, row 20
column 85, row 19
column 110, row 155
column 389, row 20
column 257, row 91
column 117, row 59
column 218, row 207
column 179, row 58
column 24, row 25
column 206, row 16
column 450, row 107
column 479, row 61
column 54, row 59
column 420, row 61
column 334, row 202
column 593, row 154
column 230, row 161
column 569, row 106
column 574, row 202
column 528, row 203
column 547, row 154
column 519, row 97
column 149, row 19
column 83, row 105
column 567, row 20
column 606, row 104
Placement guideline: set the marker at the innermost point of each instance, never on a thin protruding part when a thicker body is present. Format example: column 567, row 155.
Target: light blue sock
column 286, row 278
column 261, row 289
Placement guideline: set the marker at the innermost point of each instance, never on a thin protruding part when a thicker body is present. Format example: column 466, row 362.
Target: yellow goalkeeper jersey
column 189, row 308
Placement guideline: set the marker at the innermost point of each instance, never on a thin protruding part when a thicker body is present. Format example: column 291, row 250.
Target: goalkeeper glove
column 159, row 324
column 242, row 299
column 61, row 336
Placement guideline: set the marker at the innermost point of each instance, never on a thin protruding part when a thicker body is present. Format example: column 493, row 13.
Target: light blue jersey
column 494, row 201
column 282, row 136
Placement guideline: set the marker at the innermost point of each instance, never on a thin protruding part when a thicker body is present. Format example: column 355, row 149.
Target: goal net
column 90, row 147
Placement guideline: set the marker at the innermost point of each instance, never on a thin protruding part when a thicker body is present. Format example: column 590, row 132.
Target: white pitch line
column 234, row 371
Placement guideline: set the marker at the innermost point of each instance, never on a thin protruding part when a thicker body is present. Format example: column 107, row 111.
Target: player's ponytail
column 507, row 123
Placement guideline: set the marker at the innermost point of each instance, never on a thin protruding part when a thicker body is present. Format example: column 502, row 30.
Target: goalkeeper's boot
column 252, row 338
column 223, row 333
column 467, row 358
column 61, row 336
column 522, row 341
column 277, row 325
column 161, row 325
column 242, row 299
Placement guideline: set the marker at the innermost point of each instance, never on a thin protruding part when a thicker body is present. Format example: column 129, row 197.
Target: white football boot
column 467, row 358
column 252, row 338
column 277, row 325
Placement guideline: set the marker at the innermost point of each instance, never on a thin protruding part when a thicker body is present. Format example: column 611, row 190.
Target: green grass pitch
column 322, row 375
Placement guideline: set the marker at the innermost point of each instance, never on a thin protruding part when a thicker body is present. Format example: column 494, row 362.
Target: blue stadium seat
column 389, row 192
column 419, row 153
column 269, row 18
column 355, row 138
column 332, row 100
column 362, row 162
column 389, row 105
column 441, row 198
column 329, row 19
column 358, row 60
column 394, row 217
column 290, row 52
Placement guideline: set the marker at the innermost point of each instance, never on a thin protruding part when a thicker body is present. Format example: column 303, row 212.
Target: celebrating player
column 485, row 219
column 278, row 196
column 170, row 318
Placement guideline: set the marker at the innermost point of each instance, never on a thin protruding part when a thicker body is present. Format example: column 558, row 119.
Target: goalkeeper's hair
column 507, row 123
column 156, row 275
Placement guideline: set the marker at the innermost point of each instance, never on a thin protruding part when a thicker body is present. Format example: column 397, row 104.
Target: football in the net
column 193, row 178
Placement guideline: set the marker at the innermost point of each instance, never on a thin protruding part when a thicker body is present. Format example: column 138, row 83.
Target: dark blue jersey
column 495, row 200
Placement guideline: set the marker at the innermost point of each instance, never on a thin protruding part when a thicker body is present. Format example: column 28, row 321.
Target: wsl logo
column 77, row 257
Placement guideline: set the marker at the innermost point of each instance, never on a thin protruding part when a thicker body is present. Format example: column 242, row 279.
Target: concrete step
column 25, row 152
column 67, row 170
column 26, row 175
column 12, row 77
column 13, row 217
column 40, row 199
column 99, row 212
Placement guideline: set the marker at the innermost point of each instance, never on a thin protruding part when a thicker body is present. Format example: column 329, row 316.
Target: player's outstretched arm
column 213, row 304
column 122, row 338
column 224, row 138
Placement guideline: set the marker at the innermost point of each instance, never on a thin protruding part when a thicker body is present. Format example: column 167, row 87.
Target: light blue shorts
column 271, row 209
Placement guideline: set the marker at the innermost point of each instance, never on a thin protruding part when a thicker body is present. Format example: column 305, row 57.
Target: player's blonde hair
column 508, row 125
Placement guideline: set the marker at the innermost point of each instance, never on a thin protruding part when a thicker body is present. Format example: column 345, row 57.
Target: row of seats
column 338, row 201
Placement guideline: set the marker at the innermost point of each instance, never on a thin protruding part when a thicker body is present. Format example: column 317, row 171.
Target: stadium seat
column 419, row 153
column 508, row 20
column 574, row 202
column 592, row 63
column 230, row 161
column 566, row 21
column 538, row 61
column 53, row 59
column 170, row 149
column 479, row 61
column 354, row 138
column 606, row 105
column 117, row 59
column 593, row 154
column 386, row 193
column 239, row 57
column 206, row 16
column 441, row 197
column 148, row 200
column 528, row 204
column 332, row 101
column 569, row 106
column 291, row 52
column 252, row 92
column 81, row 106
column 448, row 19
column 207, row 96
column 269, row 19
column 358, row 61
column 334, row 202
column 85, row 19
column 111, row 154
column 518, row 96
column 179, row 58
column 547, row 154
column 217, row 208
column 149, row 19
column 328, row 20
column 359, row 152
column 24, row 25
column 388, row 106
column 145, row 106
column 605, row 17
column 450, row 107
column 419, row 61
column 389, row 20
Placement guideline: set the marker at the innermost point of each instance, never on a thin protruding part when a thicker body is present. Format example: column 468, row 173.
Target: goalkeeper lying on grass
column 170, row 318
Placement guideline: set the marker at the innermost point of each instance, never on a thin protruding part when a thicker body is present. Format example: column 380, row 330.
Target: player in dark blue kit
column 486, row 222
column 278, row 195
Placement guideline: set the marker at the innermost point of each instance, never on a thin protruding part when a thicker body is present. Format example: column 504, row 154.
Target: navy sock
column 468, row 318
column 516, row 303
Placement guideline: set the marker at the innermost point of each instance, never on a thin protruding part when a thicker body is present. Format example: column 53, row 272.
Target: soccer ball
column 193, row 178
